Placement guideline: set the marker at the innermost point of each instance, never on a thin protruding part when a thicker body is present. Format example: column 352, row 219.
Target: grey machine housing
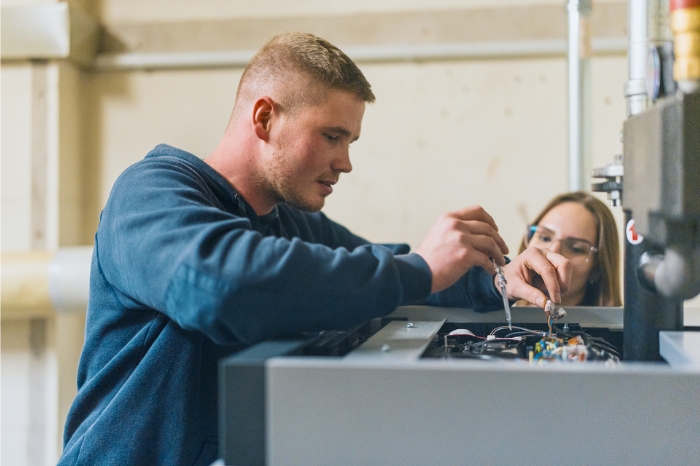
column 383, row 404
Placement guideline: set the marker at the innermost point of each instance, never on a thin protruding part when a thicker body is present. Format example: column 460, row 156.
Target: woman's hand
column 536, row 275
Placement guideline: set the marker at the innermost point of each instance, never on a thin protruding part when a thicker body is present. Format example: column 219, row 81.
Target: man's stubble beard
column 276, row 183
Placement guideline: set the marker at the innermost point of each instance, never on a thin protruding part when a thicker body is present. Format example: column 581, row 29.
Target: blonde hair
column 603, row 286
column 305, row 67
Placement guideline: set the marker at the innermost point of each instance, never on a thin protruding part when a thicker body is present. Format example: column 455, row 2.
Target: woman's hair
column 603, row 286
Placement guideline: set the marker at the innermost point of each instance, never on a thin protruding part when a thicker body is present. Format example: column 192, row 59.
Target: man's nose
column 342, row 161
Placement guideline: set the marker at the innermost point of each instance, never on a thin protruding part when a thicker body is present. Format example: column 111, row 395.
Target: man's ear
column 263, row 109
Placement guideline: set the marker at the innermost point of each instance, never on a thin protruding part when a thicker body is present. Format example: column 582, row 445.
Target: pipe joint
column 674, row 274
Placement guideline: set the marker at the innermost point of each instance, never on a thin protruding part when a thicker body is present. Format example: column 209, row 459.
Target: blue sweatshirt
column 184, row 273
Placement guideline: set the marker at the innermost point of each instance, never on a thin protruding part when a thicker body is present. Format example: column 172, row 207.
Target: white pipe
column 649, row 24
column 69, row 279
column 579, row 94
column 46, row 280
column 635, row 89
column 387, row 53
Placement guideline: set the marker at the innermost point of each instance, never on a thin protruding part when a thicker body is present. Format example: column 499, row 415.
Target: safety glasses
column 574, row 249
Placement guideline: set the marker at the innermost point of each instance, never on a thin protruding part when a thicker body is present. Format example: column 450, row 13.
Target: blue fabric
column 184, row 273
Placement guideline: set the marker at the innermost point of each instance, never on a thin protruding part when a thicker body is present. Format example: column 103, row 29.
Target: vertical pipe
column 579, row 94
column 649, row 25
column 635, row 89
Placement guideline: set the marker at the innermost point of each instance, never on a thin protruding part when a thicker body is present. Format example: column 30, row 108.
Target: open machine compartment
column 281, row 403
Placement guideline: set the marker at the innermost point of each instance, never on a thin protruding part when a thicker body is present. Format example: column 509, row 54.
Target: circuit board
column 531, row 343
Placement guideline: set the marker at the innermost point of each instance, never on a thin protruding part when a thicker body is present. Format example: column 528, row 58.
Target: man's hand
column 458, row 241
column 536, row 274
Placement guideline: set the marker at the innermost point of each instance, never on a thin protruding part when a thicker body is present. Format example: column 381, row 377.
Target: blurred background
column 471, row 109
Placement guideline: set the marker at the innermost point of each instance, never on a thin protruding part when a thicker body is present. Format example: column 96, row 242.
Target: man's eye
column 330, row 138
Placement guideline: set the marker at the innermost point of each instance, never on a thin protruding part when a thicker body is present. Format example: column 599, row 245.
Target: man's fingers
column 475, row 212
column 459, row 240
column 497, row 249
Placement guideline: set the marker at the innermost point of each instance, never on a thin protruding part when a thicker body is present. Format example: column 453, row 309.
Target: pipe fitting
column 674, row 274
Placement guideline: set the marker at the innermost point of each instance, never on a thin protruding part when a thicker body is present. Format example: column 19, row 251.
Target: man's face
column 310, row 149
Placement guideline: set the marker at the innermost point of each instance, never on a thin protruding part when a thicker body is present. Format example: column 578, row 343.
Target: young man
column 194, row 260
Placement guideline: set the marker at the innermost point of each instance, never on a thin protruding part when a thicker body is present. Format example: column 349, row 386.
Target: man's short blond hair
column 304, row 67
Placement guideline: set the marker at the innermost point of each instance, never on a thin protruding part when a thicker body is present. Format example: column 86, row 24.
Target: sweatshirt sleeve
column 165, row 243
column 475, row 290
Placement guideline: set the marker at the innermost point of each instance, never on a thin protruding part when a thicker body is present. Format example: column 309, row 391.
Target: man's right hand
column 458, row 241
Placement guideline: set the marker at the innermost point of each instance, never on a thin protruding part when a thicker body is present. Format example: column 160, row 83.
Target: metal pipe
column 648, row 265
column 675, row 274
column 649, row 25
column 635, row 88
column 369, row 54
column 579, row 50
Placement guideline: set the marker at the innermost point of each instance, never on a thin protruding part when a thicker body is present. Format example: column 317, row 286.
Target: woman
column 581, row 228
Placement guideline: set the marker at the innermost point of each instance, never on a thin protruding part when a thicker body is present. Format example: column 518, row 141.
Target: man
column 194, row 260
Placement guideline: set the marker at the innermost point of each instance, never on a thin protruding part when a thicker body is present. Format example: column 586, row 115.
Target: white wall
column 440, row 135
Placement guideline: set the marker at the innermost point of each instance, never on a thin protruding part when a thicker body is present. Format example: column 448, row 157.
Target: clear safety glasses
column 574, row 249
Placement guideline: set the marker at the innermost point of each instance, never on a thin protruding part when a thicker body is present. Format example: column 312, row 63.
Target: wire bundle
column 535, row 346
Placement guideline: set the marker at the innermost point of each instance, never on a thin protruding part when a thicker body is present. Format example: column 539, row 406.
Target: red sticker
column 632, row 236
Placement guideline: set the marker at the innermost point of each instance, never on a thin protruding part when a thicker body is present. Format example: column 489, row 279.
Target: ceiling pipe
column 369, row 54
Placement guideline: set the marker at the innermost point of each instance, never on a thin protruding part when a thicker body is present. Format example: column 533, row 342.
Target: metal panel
column 398, row 341
column 661, row 167
column 242, row 402
column 457, row 412
column 593, row 316
column 680, row 349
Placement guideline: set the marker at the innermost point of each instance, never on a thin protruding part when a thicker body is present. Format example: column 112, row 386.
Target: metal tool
column 502, row 285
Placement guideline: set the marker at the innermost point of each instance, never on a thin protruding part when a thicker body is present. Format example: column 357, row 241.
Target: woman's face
column 570, row 229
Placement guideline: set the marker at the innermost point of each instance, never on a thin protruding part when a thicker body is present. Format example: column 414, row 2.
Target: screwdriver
column 502, row 285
